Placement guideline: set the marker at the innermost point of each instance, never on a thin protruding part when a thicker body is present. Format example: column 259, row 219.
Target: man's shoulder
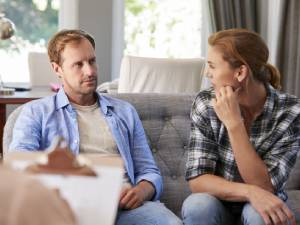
column 120, row 107
column 42, row 103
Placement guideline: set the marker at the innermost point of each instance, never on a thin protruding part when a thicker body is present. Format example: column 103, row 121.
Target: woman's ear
column 242, row 73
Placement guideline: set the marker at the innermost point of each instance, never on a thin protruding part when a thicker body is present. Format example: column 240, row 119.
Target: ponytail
column 274, row 78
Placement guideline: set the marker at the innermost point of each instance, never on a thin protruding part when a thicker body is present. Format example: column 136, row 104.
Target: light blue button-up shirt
column 42, row 120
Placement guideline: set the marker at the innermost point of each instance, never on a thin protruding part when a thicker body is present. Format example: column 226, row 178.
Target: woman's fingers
column 290, row 216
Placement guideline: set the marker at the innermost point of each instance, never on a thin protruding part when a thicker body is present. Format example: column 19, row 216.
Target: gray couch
column 167, row 124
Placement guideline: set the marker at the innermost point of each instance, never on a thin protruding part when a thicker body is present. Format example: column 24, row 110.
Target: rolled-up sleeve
column 202, row 156
column 282, row 157
column 144, row 164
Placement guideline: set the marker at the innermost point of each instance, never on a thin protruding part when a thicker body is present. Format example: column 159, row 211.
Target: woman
column 244, row 138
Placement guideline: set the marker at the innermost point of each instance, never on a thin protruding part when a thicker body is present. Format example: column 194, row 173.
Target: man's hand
column 133, row 197
column 271, row 208
column 227, row 107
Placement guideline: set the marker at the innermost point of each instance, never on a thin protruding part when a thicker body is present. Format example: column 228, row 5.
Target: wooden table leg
column 2, row 123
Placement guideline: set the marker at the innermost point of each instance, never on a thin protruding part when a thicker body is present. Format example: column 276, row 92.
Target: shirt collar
column 105, row 104
column 270, row 101
column 62, row 101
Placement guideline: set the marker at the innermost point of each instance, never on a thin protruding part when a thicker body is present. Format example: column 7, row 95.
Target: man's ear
column 242, row 73
column 57, row 69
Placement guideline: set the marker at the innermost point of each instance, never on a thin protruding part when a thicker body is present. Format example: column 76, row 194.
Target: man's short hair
column 59, row 41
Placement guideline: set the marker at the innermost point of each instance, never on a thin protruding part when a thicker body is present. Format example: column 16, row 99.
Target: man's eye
column 78, row 64
column 92, row 61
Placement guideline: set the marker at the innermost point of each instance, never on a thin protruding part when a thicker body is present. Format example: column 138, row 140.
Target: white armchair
column 40, row 69
column 160, row 75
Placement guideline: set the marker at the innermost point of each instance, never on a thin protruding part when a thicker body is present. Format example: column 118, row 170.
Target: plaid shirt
column 275, row 135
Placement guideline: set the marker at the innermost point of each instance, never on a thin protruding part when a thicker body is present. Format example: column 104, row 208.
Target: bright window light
column 163, row 28
column 36, row 21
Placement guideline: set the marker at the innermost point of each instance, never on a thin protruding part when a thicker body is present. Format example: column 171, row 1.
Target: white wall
column 68, row 14
column 104, row 20
column 117, row 37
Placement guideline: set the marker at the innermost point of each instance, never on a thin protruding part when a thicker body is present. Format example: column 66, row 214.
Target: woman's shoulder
column 286, row 106
column 285, row 100
column 204, row 97
column 202, row 102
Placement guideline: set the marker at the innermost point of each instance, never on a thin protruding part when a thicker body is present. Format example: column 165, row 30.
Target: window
column 35, row 21
column 164, row 28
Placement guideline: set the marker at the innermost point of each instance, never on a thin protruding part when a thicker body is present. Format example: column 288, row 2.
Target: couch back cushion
column 166, row 121
column 294, row 178
column 160, row 75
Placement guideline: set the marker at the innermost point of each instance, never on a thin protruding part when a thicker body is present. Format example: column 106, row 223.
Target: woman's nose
column 208, row 74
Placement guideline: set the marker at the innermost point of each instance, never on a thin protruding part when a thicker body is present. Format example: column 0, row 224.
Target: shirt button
column 174, row 177
column 154, row 150
column 76, row 141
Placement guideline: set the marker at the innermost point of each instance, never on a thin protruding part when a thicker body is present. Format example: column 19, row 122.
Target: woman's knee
column 200, row 204
column 250, row 216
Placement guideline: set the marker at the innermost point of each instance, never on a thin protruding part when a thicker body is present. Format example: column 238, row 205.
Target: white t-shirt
column 94, row 133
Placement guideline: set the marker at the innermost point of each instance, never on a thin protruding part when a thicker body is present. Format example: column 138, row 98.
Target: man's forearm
column 220, row 188
column 251, row 167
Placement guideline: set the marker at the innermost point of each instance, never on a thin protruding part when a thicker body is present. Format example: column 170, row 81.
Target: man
column 93, row 123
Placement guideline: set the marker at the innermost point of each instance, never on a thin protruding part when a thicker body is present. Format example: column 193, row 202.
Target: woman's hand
column 227, row 107
column 271, row 208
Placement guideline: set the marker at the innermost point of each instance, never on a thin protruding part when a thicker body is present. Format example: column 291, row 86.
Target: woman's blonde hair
column 244, row 47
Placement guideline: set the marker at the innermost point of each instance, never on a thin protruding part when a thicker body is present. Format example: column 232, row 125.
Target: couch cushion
column 166, row 121
column 293, row 203
column 294, row 178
